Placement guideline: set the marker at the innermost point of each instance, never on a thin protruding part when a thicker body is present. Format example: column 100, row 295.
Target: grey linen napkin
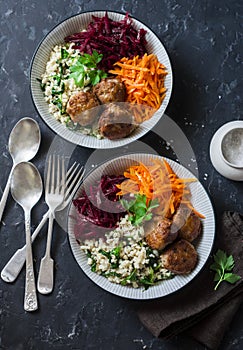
column 198, row 308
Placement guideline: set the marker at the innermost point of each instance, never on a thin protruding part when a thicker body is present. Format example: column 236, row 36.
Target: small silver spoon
column 24, row 142
column 26, row 188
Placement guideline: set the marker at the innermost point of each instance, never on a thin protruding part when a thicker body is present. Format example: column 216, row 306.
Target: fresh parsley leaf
column 215, row 267
column 231, row 277
column 96, row 75
column 220, row 258
column 229, row 263
column 139, row 209
column 91, row 61
column 127, row 205
column 217, row 277
column 78, row 74
column 85, row 69
column 97, row 57
column 223, row 266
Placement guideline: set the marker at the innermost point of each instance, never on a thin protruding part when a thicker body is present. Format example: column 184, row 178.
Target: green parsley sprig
column 85, row 69
column 223, row 265
column 139, row 210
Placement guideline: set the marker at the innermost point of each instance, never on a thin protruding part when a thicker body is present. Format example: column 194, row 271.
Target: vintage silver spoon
column 24, row 142
column 26, row 188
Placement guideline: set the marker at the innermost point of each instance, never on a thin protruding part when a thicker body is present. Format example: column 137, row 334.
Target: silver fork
column 15, row 264
column 54, row 196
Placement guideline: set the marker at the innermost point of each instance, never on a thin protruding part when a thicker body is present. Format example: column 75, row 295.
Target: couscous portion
column 58, row 86
column 123, row 257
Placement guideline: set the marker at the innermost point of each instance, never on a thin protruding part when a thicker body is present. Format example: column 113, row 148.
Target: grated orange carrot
column 158, row 181
column 144, row 81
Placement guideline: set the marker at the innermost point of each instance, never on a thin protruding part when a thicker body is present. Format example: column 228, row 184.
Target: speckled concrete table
column 203, row 40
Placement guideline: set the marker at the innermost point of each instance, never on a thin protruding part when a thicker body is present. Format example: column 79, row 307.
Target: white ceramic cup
column 232, row 147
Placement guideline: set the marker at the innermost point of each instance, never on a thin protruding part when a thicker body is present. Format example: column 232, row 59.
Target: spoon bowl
column 26, row 185
column 26, row 188
column 24, row 142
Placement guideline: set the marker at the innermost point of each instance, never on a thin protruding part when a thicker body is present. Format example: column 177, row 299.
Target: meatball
column 158, row 234
column 110, row 90
column 81, row 109
column 192, row 228
column 187, row 224
column 180, row 257
column 180, row 217
column 116, row 122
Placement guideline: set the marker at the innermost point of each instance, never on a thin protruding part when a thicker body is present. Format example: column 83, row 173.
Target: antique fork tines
column 54, row 196
column 55, row 187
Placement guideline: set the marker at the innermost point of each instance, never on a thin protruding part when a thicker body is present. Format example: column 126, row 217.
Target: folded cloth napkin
column 197, row 308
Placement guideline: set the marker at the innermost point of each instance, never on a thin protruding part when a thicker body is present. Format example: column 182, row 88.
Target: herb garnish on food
column 93, row 265
column 64, row 53
column 139, row 209
column 85, row 69
column 113, row 256
column 223, row 266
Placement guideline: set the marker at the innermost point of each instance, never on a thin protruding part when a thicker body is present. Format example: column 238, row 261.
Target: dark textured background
column 204, row 41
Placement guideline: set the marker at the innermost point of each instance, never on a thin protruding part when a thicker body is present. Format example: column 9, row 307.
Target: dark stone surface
column 204, row 42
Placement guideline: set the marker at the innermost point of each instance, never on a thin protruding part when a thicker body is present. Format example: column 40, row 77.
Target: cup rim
column 222, row 153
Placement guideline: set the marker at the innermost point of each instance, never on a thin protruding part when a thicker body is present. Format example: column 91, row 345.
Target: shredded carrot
column 144, row 81
column 193, row 209
column 158, row 181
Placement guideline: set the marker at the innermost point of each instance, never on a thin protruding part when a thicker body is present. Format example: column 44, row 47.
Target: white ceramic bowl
column 41, row 56
column 200, row 201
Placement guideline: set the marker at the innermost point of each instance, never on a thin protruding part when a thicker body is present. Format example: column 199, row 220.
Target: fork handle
column 46, row 275
column 5, row 195
column 46, row 272
column 15, row 264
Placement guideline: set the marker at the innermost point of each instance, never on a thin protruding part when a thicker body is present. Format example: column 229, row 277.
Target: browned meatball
column 180, row 257
column 81, row 109
column 116, row 122
column 110, row 90
column 186, row 223
column 158, row 234
column 192, row 228
column 180, row 217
